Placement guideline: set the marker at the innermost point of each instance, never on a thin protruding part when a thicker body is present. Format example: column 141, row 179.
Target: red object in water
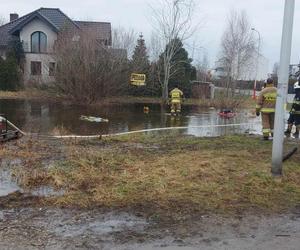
column 227, row 114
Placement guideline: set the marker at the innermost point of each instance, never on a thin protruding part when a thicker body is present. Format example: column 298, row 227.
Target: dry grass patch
column 180, row 174
column 52, row 95
column 173, row 173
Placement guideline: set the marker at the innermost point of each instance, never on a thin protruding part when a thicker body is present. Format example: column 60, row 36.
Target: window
column 36, row 68
column 51, row 69
column 38, row 42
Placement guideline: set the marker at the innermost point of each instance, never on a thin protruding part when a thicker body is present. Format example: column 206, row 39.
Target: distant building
column 218, row 73
column 261, row 64
column 294, row 70
column 203, row 90
column 38, row 33
column 247, row 73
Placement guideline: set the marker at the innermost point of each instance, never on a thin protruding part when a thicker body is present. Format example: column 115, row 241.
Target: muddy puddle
column 9, row 185
column 106, row 223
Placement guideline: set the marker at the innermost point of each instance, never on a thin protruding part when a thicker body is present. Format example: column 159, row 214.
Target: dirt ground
column 49, row 228
column 28, row 220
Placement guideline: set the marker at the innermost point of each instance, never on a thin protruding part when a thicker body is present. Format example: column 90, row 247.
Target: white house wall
column 37, row 25
column 44, row 78
column 44, row 58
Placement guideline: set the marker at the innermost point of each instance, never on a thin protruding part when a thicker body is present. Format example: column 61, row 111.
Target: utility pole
column 257, row 62
column 285, row 57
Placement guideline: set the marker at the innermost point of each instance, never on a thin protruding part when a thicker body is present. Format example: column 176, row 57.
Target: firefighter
column 266, row 103
column 295, row 112
column 176, row 100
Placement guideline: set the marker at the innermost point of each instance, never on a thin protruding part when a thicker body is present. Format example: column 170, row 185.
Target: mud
column 26, row 224
column 43, row 228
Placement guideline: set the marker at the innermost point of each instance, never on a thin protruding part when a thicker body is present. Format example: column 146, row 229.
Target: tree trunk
column 165, row 92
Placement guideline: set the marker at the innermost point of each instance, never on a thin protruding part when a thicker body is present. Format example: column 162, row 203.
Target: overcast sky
column 265, row 15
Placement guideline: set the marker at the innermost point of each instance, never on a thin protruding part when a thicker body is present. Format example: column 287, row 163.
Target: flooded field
column 51, row 118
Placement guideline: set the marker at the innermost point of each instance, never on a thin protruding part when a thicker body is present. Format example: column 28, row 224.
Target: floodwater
column 56, row 118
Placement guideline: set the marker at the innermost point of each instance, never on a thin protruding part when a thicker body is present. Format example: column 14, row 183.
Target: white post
column 285, row 56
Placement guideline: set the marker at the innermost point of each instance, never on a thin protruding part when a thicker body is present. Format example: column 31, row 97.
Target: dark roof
column 4, row 29
column 56, row 19
column 101, row 29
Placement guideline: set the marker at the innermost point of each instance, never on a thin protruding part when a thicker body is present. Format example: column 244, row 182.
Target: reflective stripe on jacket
column 296, row 106
column 266, row 101
column 176, row 95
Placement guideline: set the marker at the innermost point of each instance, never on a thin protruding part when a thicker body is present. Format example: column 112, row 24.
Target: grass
column 51, row 95
column 29, row 93
column 173, row 174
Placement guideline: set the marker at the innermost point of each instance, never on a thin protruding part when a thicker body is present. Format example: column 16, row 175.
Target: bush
column 9, row 74
column 87, row 70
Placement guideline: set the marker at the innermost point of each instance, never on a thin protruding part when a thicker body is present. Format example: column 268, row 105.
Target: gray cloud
column 265, row 15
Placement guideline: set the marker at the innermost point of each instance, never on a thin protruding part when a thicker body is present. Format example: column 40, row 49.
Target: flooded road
column 55, row 118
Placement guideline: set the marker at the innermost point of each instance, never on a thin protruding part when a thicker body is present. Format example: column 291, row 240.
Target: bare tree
column 124, row 39
column 2, row 20
column 172, row 21
column 237, row 48
column 275, row 72
column 87, row 70
column 275, row 68
column 202, row 69
column 155, row 47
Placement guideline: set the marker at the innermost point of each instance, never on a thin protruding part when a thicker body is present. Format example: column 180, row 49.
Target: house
column 38, row 32
column 256, row 68
column 294, row 71
column 218, row 73
column 203, row 90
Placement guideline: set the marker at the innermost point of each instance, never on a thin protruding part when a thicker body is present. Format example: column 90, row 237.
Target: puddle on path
column 97, row 224
column 8, row 185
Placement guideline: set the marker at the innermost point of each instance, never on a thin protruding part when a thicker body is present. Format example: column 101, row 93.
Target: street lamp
column 257, row 63
column 285, row 56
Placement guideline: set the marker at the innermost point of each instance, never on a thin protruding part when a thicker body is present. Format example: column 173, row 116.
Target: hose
column 126, row 133
column 290, row 154
column 12, row 125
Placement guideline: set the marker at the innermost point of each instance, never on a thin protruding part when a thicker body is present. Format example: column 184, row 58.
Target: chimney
column 13, row 16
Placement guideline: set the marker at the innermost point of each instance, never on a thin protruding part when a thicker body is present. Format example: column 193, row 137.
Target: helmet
column 296, row 85
column 269, row 81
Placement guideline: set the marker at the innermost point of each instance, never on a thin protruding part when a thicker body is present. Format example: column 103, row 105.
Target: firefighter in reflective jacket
column 294, row 113
column 176, row 100
column 266, row 103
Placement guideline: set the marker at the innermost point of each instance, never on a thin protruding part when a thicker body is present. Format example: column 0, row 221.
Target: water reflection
column 43, row 117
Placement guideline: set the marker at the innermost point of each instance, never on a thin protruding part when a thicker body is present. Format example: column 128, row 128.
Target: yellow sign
column 138, row 79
